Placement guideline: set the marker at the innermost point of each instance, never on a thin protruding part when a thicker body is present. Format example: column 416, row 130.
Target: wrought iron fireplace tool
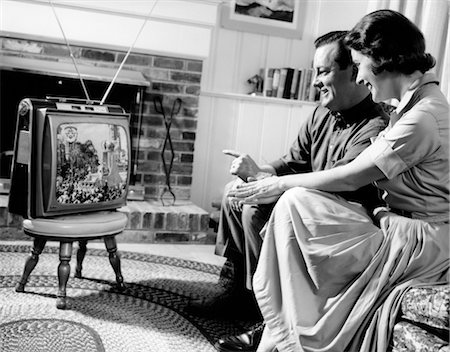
column 159, row 107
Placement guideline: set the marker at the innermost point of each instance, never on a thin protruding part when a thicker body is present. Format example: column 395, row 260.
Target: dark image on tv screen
column 91, row 164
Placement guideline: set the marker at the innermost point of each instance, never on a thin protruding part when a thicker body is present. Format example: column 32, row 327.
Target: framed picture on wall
column 270, row 17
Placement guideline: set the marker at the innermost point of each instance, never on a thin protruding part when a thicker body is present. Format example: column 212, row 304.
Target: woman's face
column 380, row 85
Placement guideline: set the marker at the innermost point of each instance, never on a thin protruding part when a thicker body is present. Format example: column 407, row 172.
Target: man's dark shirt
column 329, row 139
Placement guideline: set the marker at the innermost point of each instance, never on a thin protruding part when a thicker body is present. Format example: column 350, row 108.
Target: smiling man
column 337, row 131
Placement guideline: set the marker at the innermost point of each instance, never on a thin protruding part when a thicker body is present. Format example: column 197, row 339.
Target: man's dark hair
column 343, row 57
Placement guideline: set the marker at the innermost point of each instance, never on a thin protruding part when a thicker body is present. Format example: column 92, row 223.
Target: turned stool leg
column 81, row 253
column 114, row 259
column 65, row 253
column 30, row 263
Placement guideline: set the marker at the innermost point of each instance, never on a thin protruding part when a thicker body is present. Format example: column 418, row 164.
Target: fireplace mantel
column 67, row 69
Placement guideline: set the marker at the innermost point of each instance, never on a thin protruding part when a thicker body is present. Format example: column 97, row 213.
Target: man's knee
column 254, row 217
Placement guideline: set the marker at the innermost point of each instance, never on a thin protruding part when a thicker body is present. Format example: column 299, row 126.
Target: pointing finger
column 230, row 152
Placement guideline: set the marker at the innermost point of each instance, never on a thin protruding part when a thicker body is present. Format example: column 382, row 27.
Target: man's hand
column 263, row 191
column 243, row 165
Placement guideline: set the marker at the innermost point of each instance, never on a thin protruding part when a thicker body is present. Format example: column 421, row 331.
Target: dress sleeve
column 409, row 141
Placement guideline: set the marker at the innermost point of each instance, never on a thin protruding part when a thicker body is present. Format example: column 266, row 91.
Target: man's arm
column 349, row 177
column 245, row 167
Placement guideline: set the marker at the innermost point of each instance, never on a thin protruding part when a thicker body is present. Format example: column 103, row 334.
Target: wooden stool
column 69, row 228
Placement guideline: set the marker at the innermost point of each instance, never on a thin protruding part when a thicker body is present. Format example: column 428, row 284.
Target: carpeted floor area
column 149, row 315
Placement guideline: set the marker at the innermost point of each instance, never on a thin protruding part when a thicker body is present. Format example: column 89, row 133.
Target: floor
column 196, row 252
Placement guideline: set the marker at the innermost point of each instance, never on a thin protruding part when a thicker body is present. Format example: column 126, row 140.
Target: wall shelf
column 256, row 98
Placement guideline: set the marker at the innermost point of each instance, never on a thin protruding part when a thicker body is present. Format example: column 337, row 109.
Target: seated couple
column 323, row 261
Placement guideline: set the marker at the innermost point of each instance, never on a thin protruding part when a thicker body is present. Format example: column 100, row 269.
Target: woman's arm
column 349, row 177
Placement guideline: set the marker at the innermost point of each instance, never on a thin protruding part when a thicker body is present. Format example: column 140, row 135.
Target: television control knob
column 24, row 108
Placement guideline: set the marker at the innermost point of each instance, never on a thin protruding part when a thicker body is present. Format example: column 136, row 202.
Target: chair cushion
column 409, row 337
column 77, row 226
column 428, row 305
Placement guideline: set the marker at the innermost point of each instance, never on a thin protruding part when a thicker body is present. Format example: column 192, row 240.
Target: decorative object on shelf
column 256, row 82
column 277, row 18
column 159, row 107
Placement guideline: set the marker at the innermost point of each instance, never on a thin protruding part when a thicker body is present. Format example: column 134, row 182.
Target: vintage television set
column 70, row 156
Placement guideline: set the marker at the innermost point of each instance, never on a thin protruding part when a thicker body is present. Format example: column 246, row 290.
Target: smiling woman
column 350, row 268
column 385, row 62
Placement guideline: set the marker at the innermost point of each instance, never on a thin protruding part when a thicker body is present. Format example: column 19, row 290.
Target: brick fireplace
column 168, row 78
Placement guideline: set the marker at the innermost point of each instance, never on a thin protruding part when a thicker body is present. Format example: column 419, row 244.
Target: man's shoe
column 246, row 342
column 227, row 305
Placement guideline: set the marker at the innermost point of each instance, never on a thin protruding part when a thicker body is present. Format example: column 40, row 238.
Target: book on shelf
column 304, row 84
column 288, row 83
column 282, row 83
column 299, row 79
column 312, row 92
column 267, row 82
column 301, row 84
column 275, row 81
column 293, row 90
column 308, row 80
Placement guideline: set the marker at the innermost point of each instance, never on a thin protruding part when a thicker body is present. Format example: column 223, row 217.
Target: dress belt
column 401, row 212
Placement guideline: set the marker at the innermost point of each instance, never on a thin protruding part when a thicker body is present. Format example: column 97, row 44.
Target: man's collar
column 421, row 81
column 355, row 113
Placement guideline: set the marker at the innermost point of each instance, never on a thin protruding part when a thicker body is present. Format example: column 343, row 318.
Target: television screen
column 91, row 162
column 77, row 158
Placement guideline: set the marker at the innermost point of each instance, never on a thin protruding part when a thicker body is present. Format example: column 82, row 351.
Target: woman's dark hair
column 392, row 41
column 343, row 56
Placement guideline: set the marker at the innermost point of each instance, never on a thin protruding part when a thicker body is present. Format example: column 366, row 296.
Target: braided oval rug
column 149, row 315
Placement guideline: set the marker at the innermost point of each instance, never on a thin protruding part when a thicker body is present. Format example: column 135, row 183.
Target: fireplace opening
column 16, row 85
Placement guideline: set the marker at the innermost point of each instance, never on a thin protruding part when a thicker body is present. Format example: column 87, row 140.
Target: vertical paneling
column 265, row 130
column 272, row 142
column 238, row 54
column 299, row 114
column 225, row 61
column 201, row 153
column 251, row 48
column 277, row 52
column 329, row 21
column 435, row 21
column 249, row 127
column 210, row 165
column 301, row 54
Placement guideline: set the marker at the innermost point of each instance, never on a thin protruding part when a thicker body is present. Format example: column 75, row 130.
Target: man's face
column 334, row 84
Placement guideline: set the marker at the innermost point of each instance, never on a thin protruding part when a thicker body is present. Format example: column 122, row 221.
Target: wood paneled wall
column 261, row 127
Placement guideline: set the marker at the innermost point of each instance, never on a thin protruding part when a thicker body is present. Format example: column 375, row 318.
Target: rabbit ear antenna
column 71, row 53
column 128, row 53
